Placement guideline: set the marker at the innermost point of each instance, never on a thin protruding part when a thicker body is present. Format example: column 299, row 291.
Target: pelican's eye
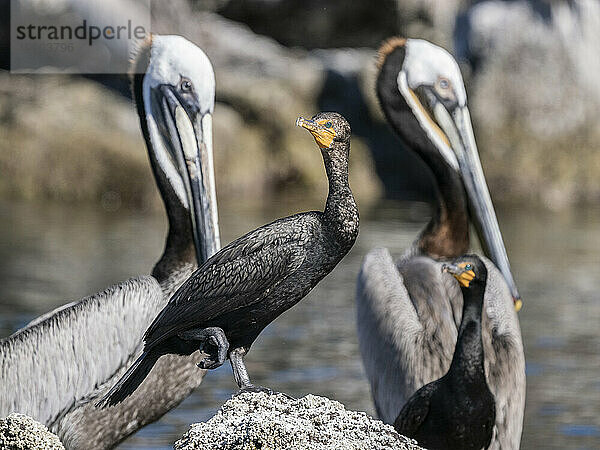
column 186, row 85
column 328, row 125
column 443, row 88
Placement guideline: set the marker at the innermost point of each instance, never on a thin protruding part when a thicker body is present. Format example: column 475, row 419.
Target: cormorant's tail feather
column 130, row 381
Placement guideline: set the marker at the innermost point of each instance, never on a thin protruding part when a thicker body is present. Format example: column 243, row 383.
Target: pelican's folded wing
column 62, row 357
column 388, row 330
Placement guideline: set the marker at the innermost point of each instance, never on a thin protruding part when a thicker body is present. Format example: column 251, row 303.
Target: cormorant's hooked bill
column 322, row 130
column 463, row 272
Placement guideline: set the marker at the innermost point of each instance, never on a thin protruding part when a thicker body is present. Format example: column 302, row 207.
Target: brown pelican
column 59, row 365
column 456, row 412
column 228, row 301
column 408, row 312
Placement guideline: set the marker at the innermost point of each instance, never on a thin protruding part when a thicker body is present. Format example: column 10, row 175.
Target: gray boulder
column 535, row 98
column 21, row 432
column 69, row 138
column 260, row 421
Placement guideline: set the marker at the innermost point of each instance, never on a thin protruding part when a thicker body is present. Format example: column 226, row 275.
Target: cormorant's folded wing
column 415, row 411
column 235, row 277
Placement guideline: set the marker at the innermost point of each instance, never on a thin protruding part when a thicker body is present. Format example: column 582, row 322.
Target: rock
column 69, row 138
column 252, row 421
column 534, row 95
column 429, row 19
column 314, row 24
column 21, row 432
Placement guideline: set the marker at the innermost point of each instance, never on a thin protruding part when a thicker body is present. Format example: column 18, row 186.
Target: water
column 50, row 254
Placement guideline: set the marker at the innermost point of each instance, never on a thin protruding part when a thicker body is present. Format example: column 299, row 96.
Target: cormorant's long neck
column 468, row 355
column 341, row 212
column 179, row 250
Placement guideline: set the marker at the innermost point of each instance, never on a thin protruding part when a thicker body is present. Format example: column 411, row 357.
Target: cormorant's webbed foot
column 240, row 374
column 213, row 342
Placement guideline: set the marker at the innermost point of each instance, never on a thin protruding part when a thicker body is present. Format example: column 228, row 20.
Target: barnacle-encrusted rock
column 21, row 432
column 252, row 421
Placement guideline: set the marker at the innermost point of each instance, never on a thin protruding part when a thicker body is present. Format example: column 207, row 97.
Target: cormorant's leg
column 213, row 337
column 240, row 374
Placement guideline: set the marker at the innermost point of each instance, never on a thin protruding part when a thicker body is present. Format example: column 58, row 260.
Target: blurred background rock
column 530, row 68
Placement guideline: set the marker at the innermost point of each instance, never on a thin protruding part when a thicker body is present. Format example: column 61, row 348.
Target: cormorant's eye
column 468, row 267
column 328, row 125
column 186, row 85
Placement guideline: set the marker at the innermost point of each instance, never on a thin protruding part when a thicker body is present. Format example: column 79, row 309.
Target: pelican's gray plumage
column 408, row 312
column 60, row 364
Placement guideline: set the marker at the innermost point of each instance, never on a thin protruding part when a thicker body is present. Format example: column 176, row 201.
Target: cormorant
column 58, row 366
column 230, row 299
column 408, row 312
column 456, row 412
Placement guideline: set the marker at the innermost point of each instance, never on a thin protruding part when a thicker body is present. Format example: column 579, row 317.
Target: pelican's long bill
column 187, row 134
column 459, row 131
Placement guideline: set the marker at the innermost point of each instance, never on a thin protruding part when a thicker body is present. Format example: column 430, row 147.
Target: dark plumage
column 458, row 410
column 229, row 300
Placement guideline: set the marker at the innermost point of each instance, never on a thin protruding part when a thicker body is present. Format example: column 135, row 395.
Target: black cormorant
column 228, row 301
column 457, row 412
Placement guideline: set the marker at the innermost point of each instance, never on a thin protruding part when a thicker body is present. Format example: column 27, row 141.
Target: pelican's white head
column 174, row 61
column 420, row 79
column 174, row 88
column 426, row 64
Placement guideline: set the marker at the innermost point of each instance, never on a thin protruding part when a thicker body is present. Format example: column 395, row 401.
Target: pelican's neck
column 179, row 252
column 341, row 212
column 446, row 235
column 468, row 357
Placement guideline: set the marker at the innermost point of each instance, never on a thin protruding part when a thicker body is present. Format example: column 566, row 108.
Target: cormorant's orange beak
column 323, row 136
column 463, row 276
